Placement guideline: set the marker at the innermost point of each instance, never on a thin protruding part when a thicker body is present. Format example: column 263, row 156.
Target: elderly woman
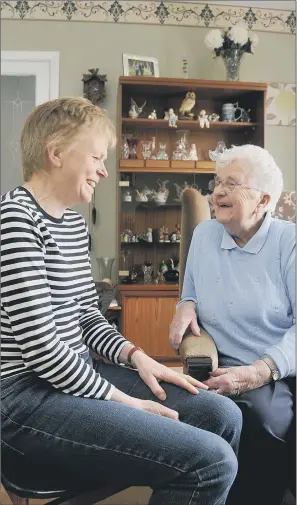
column 240, row 286
column 88, row 420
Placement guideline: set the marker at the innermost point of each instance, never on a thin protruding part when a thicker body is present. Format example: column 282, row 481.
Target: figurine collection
column 158, row 235
column 186, row 112
column 166, row 271
column 159, row 197
column 184, row 149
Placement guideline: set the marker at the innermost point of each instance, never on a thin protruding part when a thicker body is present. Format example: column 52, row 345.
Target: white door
column 28, row 78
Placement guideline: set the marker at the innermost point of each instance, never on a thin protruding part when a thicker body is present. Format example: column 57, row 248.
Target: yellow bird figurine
column 188, row 104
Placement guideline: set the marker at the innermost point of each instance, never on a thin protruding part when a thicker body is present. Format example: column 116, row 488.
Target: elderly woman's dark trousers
column 267, row 453
column 96, row 442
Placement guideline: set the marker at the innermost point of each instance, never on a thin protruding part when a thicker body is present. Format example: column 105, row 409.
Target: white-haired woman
column 240, row 286
column 91, row 423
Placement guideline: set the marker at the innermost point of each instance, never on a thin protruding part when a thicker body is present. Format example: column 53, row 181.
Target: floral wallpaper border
column 148, row 12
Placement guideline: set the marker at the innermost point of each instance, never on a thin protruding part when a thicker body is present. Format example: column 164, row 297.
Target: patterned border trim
column 147, row 12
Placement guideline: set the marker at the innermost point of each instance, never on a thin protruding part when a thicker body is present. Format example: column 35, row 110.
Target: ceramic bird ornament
column 153, row 115
column 187, row 104
column 135, row 110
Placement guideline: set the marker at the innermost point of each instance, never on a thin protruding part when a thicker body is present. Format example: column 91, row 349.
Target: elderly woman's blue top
column 245, row 296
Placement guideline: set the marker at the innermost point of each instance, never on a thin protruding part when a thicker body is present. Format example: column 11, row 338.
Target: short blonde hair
column 60, row 120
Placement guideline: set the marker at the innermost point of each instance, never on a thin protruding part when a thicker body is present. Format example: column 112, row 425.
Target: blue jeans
column 191, row 461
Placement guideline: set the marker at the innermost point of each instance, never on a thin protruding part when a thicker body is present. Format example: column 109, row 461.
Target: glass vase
column 146, row 149
column 105, row 267
column 132, row 143
column 181, row 150
column 125, row 146
column 232, row 59
column 147, row 273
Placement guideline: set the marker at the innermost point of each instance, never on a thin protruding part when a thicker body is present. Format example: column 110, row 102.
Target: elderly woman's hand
column 236, row 380
column 152, row 372
column 185, row 316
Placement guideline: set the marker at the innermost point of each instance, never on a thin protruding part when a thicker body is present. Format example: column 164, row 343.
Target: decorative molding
column 147, row 12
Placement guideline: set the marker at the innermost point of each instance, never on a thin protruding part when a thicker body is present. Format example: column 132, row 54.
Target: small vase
column 232, row 59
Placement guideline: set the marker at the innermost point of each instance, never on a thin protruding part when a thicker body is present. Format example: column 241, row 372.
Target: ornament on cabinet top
column 161, row 233
column 203, row 119
column 180, row 190
column 160, row 279
column 94, row 83
column 214, row 118
column 135, row 110
column 178, row 232
column 127, row 197
column 163, row 267
column 245, row 116
column 153, row 115
column 172, row 118
column 162, row 154
column 187, row 105
column 141, row 196
column 148, row 192
column 193, row 156
column 172, row 274
column 166, row 235
column 160, row 197
column 220, row 148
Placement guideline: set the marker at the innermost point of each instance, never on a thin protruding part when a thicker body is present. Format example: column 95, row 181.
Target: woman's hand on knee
column 145, row 405
column 156, row 408
column 153, row 372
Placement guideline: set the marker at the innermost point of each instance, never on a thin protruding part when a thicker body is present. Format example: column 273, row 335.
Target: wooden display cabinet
column 147, row 312
column 147, row 309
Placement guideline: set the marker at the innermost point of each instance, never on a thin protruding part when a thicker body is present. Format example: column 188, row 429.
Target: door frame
column 43, row 64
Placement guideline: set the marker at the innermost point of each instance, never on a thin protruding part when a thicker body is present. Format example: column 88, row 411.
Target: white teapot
column 140, row 196
column 180, row 190
column 160, row 198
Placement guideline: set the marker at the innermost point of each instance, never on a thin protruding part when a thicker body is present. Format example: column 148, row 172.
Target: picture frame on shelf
column 140, row 66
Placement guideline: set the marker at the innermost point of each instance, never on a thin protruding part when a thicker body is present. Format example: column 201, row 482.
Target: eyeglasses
column 231, row 185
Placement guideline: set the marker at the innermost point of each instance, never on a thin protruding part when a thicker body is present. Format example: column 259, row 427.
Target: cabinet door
column 147, row 321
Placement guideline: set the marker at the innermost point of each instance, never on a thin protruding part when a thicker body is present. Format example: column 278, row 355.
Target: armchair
column 199, row 355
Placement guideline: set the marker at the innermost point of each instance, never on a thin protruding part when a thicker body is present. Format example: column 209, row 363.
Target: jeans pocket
column 14, row 385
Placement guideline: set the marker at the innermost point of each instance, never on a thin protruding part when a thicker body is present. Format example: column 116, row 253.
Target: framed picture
column 140, row 65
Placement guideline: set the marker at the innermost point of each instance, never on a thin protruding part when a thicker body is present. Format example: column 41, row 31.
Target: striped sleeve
column 98, row 334
column 26, row 299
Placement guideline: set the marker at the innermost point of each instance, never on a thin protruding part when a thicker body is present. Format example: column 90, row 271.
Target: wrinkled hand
column 152, row 372
column 185, row 316
column 235, row 380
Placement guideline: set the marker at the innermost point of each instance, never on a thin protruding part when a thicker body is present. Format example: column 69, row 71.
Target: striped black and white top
column 49, row 304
